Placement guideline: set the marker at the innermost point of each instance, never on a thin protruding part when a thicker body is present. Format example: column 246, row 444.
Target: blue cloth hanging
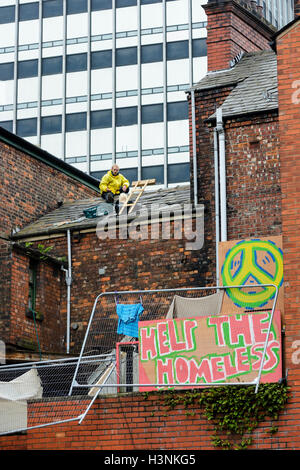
column 128, row 315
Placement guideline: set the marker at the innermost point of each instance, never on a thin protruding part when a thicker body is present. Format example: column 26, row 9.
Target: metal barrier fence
column 51, row 392
column 36, row 394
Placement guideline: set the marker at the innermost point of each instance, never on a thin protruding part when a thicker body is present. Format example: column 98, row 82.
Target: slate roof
column 255, row 80
column 71, row 216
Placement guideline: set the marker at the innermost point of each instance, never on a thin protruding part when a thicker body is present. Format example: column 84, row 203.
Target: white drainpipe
column 222, row 166
column 69, row 282
column 217, row 204
column 195, row 169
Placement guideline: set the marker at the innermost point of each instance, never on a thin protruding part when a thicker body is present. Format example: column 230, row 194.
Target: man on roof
column 113, row 183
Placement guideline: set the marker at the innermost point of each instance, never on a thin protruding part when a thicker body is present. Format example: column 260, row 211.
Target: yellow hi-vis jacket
column 113, row 183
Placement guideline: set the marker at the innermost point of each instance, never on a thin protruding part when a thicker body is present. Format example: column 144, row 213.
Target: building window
column 199, row 48
column 178, row 173
column 177, row 50
column 129, row 173
column 27, row 68
column 101, row 119
column 151, row 53
column 126, row 56
column 126, row 116
column 125, row 3
column 101, row 59
column 76, row 6
column 26, row 127
column 152, row 113
column 76, row 62
column 51, row 125
column 75, row 122
column 7, row 71
column 8, row 125
column 52, row 8
column 156, row 172
column 51, row 65
column 32, row 285
column 7, row 15
column 28, row 11
column 101, row 5
column 177, row 111
column 148, row 2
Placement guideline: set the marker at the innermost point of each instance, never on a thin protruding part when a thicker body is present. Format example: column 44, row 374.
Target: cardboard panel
column 210, row 349
column 249, row 262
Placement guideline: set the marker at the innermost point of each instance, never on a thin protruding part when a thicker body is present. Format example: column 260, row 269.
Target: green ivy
column 235, row 411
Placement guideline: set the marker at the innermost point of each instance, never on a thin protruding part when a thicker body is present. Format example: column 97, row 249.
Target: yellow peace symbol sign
column 252, row 262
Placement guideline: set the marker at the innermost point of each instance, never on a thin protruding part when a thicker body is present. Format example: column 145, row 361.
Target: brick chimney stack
column 297, row 7
column 234, row 26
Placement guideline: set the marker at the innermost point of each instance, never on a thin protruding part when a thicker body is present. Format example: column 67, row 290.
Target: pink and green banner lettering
column 211, row 349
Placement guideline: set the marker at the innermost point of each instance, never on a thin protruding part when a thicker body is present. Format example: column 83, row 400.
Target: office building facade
column 96, row 82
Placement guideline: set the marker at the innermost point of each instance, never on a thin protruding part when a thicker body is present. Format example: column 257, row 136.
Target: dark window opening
column 151, row 53
column 98, row 5
column 51, row 125
column 8, row 125
column 7, row 15
column 76, row 6
column 178, row 111
column 126, row 56
column 32, row 285
column 152, row 113
column 28, row 68
column 199, row 47
column 76, row 122
column 101, row 59
column 27, row 127
column 177, row 50
column 76, row 62
column 28, row 11
column 101, row 119
column 52, row 8
column 51, row 65
column 178, row 173
column 7, row 71
column 126, row 116
column 156, row 172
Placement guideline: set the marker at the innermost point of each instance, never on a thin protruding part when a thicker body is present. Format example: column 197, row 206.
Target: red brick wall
column 131, row 422
column 231, row 29
column 289, row 126
column 51, row 329
column 252, row 170
column 129, row 265
column 253, row 177
column 5, row 262
column 29, row 189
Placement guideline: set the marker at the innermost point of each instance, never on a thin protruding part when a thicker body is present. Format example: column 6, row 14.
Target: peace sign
column 252, row 262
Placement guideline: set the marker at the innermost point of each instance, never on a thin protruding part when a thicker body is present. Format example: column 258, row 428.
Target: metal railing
column 107, row 363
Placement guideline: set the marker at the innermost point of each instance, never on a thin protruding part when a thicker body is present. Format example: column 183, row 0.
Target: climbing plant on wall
column 235, row 411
